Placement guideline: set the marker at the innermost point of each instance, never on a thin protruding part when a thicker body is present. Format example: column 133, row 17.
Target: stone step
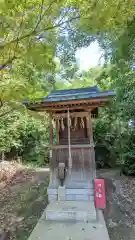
column 71, row 211
column 72, row 191
column 72, row 194
column 73, row 197
column 79, row 194
column 77, row 191
column 78, row 184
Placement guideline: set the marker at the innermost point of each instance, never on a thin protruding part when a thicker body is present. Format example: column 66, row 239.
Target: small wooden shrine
column 72, row 160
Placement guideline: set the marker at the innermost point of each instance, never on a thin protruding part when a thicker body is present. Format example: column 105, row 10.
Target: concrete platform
column 71, row 211
column 50, row 230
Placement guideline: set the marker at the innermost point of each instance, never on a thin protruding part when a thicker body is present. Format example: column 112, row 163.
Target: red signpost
column 99, row 194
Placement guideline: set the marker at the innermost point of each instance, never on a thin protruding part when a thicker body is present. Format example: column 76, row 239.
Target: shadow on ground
column 120, row 208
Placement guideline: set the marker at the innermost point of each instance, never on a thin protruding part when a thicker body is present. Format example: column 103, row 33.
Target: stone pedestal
column 54, row 182
column 71, row 211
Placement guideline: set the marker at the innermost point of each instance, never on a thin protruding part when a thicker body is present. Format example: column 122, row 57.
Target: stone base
column 52, row 194
column 73, row 194
column 71, row 211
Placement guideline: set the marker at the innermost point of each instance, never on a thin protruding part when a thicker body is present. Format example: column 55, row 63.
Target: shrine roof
column 73, row 94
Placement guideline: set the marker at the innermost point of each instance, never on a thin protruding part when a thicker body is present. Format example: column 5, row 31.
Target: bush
column 114, row 143
column 33, row 142
column 24, row 136
column 127, row 156
column 128, row 167
column 102, row 156
column 104, row 140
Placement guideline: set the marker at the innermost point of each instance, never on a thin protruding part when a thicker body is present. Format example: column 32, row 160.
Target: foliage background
column 38, row 41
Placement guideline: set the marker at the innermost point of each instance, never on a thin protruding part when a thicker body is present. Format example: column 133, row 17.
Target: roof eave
column 47, row 105
column 50, row 101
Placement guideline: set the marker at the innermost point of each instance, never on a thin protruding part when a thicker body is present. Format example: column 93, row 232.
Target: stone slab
column 52, row 197
column 77, row 191
column 61, row 193
column 71, row 211
column 71, row 197
column 52, row 194
column 82, row 191
column 78, row 184
column 75, row 194
column 79, row 197
column 50, row 230
column 53, row 191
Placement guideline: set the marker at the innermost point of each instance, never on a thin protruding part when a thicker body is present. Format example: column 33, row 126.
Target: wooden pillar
column 51, row 132
column 92, row 151
column 50, row 140
column 88, row 127
column 90, row 130
column 54, row 181
column 57, row 132
column 50, row 148
column 69, row 142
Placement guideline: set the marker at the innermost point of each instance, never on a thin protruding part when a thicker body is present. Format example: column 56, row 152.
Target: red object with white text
column 99, row 194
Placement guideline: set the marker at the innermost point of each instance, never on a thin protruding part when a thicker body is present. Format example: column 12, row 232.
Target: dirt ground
column 23, row 198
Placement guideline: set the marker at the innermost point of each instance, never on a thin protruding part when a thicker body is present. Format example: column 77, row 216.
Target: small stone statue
column 61, row 172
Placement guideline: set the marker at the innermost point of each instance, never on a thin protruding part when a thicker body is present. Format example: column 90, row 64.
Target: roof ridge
column 68, row 94
column 74, row 89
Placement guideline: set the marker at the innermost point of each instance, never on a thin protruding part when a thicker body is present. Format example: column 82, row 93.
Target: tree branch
column 40, row 14
column 34, row 32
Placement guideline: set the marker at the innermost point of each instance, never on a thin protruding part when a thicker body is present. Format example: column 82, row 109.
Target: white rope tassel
column 53, row 123
column 75, row 123
column 62, row 124
column 70, row 122
column 69, row 143
column 58, row 124
column 82, row 122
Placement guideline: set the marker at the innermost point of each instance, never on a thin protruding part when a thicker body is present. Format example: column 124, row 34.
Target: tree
column 28, row 30
column 32, row 28
column 100, row 76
